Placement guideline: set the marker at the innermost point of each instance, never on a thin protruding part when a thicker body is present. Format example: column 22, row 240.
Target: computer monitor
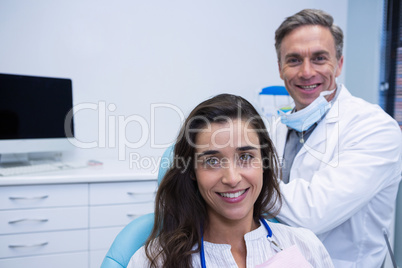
column 35, row 114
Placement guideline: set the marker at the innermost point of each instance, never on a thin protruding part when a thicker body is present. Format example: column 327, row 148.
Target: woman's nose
column 231, row 175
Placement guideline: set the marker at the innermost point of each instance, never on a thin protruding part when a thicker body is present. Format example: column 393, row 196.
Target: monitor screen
column 34, row 109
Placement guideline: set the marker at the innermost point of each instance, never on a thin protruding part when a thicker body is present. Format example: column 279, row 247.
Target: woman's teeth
column 233, row 195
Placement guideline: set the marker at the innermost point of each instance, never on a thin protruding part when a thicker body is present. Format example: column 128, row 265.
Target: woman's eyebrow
column 246, row 148
column 209, row 152
column 239, row 149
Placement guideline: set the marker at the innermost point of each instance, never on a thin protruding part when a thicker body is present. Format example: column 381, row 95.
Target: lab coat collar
column 319, row 134
column 325, row 126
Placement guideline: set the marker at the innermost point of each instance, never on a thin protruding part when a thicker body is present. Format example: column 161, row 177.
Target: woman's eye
column 212, row 161
column 245, row 157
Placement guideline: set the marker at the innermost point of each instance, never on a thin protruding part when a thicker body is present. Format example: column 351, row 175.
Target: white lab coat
column 343, row 182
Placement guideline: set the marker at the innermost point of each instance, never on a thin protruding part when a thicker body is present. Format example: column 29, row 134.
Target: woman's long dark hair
column 180, row 209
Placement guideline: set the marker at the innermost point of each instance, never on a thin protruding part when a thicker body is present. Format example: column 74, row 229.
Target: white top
column 343, row 182
column 259, row 249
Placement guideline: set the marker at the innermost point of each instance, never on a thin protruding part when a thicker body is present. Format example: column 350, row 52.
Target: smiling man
column 308, row 64
column 341, row 156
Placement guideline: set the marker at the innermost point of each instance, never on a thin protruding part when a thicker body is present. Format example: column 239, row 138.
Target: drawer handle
column 28, row 198
column 140, row 193
column 22, row 220
column 29, row 246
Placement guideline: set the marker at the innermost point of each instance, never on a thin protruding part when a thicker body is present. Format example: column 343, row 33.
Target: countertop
column 107, row 171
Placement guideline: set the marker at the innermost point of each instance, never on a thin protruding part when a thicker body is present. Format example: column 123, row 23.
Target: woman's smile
column 234, row 196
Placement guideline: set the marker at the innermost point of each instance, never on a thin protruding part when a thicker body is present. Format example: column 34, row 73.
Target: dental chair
column 134, row 235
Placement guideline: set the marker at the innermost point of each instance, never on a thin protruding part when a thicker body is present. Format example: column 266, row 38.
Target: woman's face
column 229, row 169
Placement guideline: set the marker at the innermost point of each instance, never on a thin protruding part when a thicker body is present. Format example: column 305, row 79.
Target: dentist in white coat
column 341, row 156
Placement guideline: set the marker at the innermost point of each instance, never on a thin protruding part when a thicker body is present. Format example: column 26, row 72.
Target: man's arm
column 369, row 160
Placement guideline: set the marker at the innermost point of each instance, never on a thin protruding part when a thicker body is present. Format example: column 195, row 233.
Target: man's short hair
column 309, row 17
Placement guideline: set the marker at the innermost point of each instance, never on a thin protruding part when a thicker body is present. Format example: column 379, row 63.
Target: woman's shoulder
column 139, row 259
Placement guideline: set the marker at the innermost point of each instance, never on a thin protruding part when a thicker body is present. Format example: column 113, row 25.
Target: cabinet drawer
column 69, row 260
column 122, row 192
column 37, row 196
column 50, row 219
column 117, row 215
column 43, row 243
column 102, row 238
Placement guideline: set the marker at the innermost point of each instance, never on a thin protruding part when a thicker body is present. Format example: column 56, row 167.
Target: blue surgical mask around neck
column 302, row 120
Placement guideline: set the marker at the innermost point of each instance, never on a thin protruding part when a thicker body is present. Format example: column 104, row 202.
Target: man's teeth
column 233, row 195
column 309, row 87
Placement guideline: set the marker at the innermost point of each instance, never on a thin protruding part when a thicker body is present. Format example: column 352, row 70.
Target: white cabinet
column 40, row 221
column 67, row 260
column 122, row 192
column 67, row 225
column 40, row 196
column 111, row 207
column 43, row 243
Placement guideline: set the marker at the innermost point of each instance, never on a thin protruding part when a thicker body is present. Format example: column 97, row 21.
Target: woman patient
column 211, row 204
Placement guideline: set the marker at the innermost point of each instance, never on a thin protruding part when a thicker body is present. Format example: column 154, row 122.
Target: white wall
column 363, row 48
column 136, row 53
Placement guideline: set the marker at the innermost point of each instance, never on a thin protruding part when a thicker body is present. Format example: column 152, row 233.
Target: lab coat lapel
column 318, row 136
column 322, row 131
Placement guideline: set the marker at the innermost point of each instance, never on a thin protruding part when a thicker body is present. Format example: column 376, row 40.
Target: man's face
column 308, row 64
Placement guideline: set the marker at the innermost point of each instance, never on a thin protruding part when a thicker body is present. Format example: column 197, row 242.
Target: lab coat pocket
column 288, row 258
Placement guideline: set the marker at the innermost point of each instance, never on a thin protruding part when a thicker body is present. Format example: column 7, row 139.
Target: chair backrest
column 134, row 235
column 166, row 162
column 128, row 241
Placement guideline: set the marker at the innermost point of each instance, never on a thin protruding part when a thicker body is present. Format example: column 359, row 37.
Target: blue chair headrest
column 166, row 162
